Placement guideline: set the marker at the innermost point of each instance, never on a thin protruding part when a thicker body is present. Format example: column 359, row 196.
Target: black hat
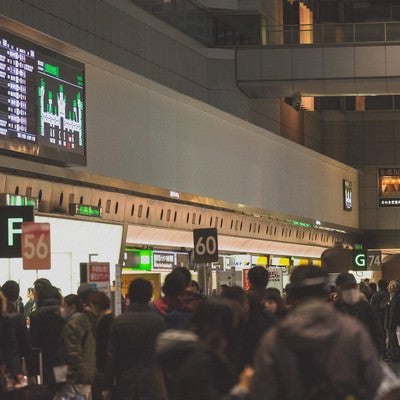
column 346, row 280
column 84, row 290
column 10, row 289
column 308, row 281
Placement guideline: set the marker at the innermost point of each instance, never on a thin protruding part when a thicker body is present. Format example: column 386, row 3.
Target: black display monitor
column 42, row 103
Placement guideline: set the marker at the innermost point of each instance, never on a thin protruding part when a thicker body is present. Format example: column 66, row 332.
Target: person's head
column 193, row 287
column 348, row 289
column 45, row 293
column 174, row 285
column 216, row 322
column 30, row 293
column 184, row 273
column 140, row 291
column 71, row 304
column 382, row 284
column 393, row 287
column 307, row 282
column 258, row 277
column 39, row 285
column 10, row 289
column 372, row 287
column 84, row 291
column 237, row 294
column 99, row 302
column 273, row 301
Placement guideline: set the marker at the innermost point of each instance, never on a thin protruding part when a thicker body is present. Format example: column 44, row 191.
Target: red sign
column 98, row 272
column 35, row 245
column 246, row 283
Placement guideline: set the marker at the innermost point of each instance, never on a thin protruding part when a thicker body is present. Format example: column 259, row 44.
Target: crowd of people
column 314, row 342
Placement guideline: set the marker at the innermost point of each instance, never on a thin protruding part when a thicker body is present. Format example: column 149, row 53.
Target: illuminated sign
column 42, row 107
column 347, row 195
column 85, row 210
column 138, row 259
column 163, row 260
column 280, row 261
column 389, row 187
column 7, row 199
column 11, row 218
column 360, row 260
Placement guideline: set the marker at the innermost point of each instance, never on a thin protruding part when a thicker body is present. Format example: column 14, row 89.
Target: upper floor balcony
column 322, row 60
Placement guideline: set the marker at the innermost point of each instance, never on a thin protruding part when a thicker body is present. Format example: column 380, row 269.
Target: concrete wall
column 144, row 132
column 169, row 140
column 120, row 32
column 367, row 141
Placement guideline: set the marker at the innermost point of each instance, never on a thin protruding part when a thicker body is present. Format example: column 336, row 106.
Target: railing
column 202, row 25
column 333, row 33
column 240, row 30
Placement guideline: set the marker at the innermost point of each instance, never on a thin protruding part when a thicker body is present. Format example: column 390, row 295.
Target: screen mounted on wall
column 42, row 103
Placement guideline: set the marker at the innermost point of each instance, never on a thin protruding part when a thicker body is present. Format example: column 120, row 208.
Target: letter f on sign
column 13, row 231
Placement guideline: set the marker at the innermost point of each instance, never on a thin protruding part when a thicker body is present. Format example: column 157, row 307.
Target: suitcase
column 38, row 391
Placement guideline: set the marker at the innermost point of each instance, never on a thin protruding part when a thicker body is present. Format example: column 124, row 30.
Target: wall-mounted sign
column 11, row 218
column 347, row 195
column 163, row 260
column 138, row 259
column 389, row 187
column 279, row 261
column 85, row 210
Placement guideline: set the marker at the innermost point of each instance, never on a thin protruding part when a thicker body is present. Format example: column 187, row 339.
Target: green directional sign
column 360, row 260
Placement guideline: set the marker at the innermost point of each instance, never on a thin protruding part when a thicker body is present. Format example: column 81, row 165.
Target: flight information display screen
column 42, row 104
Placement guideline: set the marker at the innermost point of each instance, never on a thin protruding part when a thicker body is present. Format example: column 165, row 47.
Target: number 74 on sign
column 35, row 245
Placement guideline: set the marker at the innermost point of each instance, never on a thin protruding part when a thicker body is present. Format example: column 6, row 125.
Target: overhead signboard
column 11, row 219
column 205, row 245
column 35, row 245
column 347, row 195
column 42, row 105
column 360, row 260
column 389, row 187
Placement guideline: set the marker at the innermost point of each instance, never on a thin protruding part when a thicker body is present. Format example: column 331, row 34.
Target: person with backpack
column 321, row 352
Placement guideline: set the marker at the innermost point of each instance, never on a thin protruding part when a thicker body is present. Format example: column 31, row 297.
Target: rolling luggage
column 40, row 391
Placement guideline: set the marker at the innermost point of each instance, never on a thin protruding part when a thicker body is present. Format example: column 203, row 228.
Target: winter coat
column 8, row 347
column 46, row 324
column 316, row 347
column 366, row 314
column 175, row 314
column 77, row 349
column 191, row 370
column 132, row 347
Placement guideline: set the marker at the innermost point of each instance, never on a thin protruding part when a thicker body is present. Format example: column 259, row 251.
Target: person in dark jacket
column 392, row 321
column 380, row 302
column 132, row 348
column 9, row 357
column 46, row 324
column 349, row 301
column 197, row 364
column 316, row 352
column 76, row 349
column 260, row 319
column 100, row 304
column 11, row 291
column 172, row 307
